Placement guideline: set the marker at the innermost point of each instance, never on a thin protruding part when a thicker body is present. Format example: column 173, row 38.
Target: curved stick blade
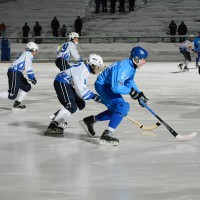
column 185, row 138
column 146, row 128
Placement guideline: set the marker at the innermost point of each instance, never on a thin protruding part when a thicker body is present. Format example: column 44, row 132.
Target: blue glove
column 33, row 81
column 96, row 98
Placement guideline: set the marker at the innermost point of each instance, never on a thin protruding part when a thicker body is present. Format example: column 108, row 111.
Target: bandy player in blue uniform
column 115, row 81
column 18, row 84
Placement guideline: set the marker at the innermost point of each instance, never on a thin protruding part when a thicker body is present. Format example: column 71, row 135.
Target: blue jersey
column 120, row 77
column 197, row 43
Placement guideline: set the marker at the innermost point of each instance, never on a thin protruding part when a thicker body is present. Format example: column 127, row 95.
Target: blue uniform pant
column 117, row 107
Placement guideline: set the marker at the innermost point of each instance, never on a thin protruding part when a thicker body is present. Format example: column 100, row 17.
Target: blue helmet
column 138, row 53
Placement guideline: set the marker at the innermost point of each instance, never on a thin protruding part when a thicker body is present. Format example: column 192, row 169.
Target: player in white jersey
column 66, row 51
column 185, row 49
column 18, row 84
column 71, row 89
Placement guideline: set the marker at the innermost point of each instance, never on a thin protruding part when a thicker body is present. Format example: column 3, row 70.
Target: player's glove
column 138, row 96
column 33, row 81
column 96, row 98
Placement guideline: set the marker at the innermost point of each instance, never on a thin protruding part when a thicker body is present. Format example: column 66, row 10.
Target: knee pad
column 81, row 105
column 27, row 88
column 71, row 108
column 122, row 108
column 12, row 96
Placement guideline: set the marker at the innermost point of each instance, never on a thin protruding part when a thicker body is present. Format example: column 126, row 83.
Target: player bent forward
column 18, row 84
column 115, row 81
column 71, row 89
column 185, row 49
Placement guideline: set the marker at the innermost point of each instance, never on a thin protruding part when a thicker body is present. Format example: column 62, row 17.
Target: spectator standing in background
column 112, row 6
column 104, row 5
column 63, row 30
column 172, row 28
column 37, row 30
column 78, row 25
column 182, row 30
column 131, row 5
column 55, row 25
column 2, row 29
column 121, row 5
column 25, row 30
column 98, row 4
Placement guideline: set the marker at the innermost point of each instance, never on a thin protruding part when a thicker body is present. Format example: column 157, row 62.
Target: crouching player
column 116, row 80
column 18, row 84
column 71, row 89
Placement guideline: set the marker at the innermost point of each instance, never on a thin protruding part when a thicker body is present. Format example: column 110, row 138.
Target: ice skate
column 107, row 138
column 63, row 125
column 180, row 66
column 87, row 125
column 186, row 69
column 18, row 106
column 197, row 65
column 54, row 130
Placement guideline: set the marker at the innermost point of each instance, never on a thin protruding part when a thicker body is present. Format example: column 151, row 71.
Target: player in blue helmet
column 116, row 80
column 197, row 49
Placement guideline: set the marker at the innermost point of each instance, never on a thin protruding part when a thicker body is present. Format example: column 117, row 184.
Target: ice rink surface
column 147, row 165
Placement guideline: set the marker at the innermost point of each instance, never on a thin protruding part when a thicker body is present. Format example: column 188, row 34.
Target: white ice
column 147, row 165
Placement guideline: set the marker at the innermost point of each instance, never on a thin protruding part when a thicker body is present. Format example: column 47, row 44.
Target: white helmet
column 96, row 63
column 73, row 35
column 191, row 37
column 32, row 46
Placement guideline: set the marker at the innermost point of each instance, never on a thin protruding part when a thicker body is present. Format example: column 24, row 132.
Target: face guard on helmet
column 33, row 47
column 95, row 63
column 72, row 36
column 138, row 55
column 191, row 37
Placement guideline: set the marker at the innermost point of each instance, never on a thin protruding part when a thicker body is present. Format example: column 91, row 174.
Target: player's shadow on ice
column 83, row 137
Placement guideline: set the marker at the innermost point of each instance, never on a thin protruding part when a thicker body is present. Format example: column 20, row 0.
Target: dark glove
column 142, row 97
column 137, row 96
column 96, row 98
column 33, row 81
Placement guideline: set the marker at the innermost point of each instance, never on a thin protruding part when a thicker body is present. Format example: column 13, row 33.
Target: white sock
column 111, row 129
column 62, row 115
column 21, row 95
column 4, row 95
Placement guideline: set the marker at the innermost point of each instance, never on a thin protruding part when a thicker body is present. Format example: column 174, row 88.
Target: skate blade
column 82, row 124
column 53, row 135
column 104, row 142
column 19, row 109
column 180, row 68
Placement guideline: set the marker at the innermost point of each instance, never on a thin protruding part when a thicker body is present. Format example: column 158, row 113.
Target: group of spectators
column 55, row 26
column 104, row 5
column 181, row 30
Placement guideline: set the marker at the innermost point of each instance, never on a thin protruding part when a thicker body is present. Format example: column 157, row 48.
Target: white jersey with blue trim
column 68, row 50
column 77, row 76
column 24, row 63
column 186, row 46
column 120, row 76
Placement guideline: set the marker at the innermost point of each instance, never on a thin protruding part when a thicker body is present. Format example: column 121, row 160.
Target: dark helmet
column 138, row 53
